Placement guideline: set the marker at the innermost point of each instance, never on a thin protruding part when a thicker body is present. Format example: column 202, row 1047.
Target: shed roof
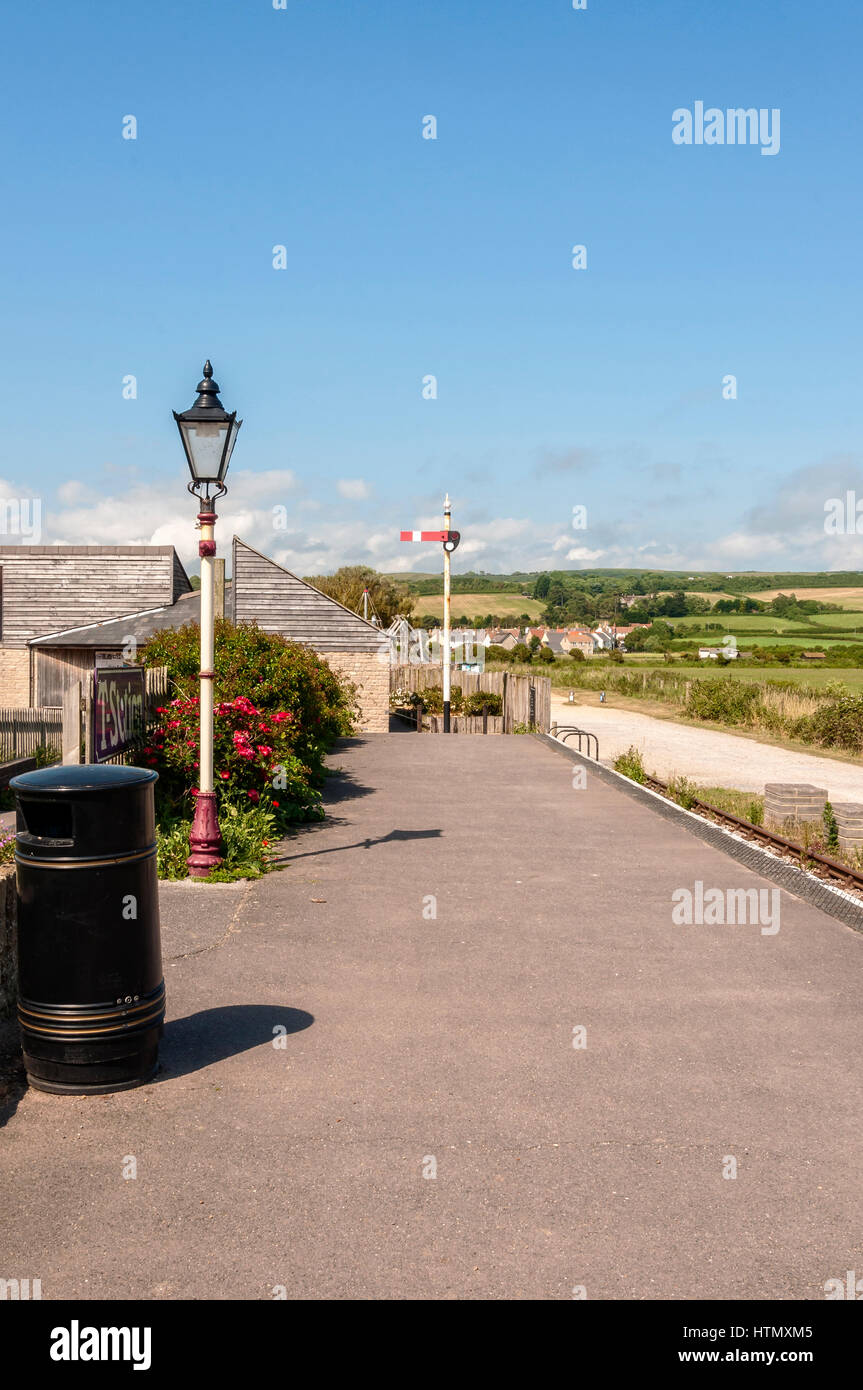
column 115, row 632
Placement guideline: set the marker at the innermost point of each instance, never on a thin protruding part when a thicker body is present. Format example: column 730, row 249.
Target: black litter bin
column 91, row 998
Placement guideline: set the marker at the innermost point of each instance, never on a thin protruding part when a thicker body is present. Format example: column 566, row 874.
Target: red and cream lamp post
column 208, row 433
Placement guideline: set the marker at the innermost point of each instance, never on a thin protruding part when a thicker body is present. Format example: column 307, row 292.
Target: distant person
column 602, row 697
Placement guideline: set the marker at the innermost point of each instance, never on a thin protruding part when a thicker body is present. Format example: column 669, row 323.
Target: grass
column 847, row 621
column 816, row 676
column 748, row 805
column 743, row 622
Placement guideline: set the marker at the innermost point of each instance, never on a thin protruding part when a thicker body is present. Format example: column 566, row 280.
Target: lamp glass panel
column 231, row 442
column 205, row 441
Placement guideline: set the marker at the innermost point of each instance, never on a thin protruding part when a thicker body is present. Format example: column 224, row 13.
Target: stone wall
column 15, row 677
column 371, row 676
column 8, row 967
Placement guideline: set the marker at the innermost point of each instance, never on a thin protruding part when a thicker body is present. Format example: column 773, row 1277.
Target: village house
column 714, row 653
column 506, row 637
column 580, row 638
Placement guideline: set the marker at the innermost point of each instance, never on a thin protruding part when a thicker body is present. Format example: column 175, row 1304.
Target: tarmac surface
column 429, row 951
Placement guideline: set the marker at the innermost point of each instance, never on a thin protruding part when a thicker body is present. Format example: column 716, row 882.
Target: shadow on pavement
column 199, row 1040
column 341, row 786
column 364, row 844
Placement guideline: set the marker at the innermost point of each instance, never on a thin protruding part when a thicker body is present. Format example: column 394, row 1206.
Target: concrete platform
column 411, row 1038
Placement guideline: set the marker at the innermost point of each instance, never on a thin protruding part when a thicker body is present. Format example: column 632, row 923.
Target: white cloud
column 356, row 489
column 72, row 491
column 585, row 556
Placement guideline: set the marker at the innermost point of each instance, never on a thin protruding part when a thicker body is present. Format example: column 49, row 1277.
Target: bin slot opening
column 47, row 820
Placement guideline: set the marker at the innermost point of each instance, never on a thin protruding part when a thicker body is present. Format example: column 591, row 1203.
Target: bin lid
column 87, row 777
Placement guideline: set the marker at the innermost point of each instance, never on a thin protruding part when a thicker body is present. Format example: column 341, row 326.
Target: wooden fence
column 22, row 731
column 465, row 724
column 513, row 690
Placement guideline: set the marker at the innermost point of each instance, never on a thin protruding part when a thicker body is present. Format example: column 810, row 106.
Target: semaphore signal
column 450, row 540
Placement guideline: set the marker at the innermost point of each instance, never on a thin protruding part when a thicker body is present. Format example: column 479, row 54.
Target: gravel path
column 708, row 757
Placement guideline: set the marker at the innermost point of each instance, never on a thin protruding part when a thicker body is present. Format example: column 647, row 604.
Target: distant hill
column 599, row 581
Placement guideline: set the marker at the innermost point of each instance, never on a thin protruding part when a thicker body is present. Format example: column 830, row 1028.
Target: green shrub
column 683, row 791
column 431, row 699
column 473, row 704
column 279, row 708
column 724, row 701
column 837, row 724
column 172, row 849
column 631, row 764
column 267, row 669
column 248, row 833
column 46, row 754
column 831, row 828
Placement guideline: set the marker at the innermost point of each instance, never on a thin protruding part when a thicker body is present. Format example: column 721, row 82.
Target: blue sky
column 407, row 257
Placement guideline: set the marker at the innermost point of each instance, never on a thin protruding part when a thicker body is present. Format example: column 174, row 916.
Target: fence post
column 420, row 717
column 87, row 712
column 71, row 736
column 531, row 707
column 485, row 719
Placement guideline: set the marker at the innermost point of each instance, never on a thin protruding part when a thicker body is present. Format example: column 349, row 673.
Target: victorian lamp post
column 208, row 433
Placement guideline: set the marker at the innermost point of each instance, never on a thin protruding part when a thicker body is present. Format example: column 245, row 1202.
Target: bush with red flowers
column 279, row 677
column 254, row 759
column 279, row 710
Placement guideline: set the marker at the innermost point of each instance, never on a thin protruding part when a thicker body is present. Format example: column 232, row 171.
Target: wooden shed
column 260, row 591
column 53, row 588
column 279, row 601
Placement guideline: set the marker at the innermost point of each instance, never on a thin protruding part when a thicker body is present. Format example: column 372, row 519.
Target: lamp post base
column 205, row 839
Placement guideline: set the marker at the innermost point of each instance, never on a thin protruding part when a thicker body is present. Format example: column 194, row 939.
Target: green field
column 474, row 606
column 743, row 622
column 847, row 621
column 816, row 676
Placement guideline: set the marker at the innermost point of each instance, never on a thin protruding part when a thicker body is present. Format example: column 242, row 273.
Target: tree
column 495, row 653
column 521, row 652
column 541, row 587
column 556, row 594
column 534, row 643
column 387, row 597
column 546, row 654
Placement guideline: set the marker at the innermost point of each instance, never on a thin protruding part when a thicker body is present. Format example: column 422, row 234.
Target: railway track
column 821, row 865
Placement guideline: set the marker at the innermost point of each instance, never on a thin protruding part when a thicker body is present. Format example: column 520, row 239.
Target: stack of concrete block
column 789, row 805
column 849, row 822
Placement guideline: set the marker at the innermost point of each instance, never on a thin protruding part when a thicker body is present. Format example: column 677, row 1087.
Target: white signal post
column 450, row 540
column 447, row 644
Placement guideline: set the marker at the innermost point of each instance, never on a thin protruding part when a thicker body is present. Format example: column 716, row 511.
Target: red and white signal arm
column 450, row 538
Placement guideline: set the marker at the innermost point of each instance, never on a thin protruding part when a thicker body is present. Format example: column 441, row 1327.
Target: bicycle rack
column 565, row 731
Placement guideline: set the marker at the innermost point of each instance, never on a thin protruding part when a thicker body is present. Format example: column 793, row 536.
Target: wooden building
column 114, row 598
column 276, row 599
column 51, row 588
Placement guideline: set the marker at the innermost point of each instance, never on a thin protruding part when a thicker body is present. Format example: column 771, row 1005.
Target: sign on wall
column 118, row 711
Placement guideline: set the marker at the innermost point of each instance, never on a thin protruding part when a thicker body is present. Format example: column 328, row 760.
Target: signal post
column 450, row 540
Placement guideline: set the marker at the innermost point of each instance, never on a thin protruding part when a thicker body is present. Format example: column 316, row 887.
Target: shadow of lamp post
column 209, row 433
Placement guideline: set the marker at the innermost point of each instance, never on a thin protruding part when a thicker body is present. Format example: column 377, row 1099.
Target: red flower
column 254, row 796
column 275, row 803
